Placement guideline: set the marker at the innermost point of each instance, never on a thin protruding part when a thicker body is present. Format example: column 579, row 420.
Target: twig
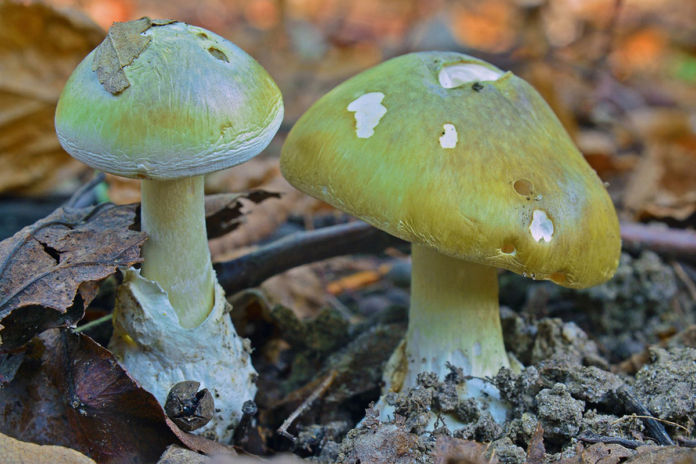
column 676, row 243
column 686, row 443
column 636, row 416
column 358, row 237
column 340, row 307
column 685, row 278
column 283, row 430
column 655, row 429
column 77, row 200
column 590, row 437
column 95, row 323
column 298, row 249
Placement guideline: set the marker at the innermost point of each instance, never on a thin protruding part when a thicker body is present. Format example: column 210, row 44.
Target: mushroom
column 167, row 103
column 470, row 165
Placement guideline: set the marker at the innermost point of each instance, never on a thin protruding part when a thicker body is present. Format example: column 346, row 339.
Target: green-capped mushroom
column 166, row 102
column 469, row 164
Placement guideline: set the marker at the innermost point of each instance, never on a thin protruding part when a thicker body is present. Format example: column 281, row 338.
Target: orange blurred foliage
column 641, row 51
column 490, row 26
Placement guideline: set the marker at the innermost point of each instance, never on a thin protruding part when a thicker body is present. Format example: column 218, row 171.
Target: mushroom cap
column 190, row 102
column 447, row 151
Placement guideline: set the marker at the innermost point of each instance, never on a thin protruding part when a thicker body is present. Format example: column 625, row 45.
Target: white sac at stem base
column 159, row 353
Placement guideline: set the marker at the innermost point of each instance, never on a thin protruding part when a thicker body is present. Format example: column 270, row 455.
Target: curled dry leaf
column 223, row 211
column 262, row 220
column 122, row 45
column 663, row 185
column 39, row 48
column 9, row 365
column 110, row 416
column 32, row 408
column 663, row 455
column 44, row 266
column 601, row 453
column 178, row 455
column 455, row 450
column 536, row 451
column 20, row 452
column 200, row 444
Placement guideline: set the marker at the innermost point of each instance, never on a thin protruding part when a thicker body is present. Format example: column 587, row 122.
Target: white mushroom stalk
column 176, row 253
column 454, row 318
column 160, row 353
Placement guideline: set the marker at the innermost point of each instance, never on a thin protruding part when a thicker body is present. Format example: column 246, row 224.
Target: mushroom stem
column 176, row 254
column 454, row 317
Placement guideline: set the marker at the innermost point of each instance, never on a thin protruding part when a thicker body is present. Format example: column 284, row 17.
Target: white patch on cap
column 368, row 111
column 449, row 138
column 541, row 227
column 460, row 74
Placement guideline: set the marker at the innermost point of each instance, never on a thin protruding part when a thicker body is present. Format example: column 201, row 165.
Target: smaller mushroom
column 446, row 151
column 167, row 103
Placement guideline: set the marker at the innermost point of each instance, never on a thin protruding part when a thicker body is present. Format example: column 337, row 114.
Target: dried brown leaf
column 223, row 211
column 536, row 450
column 263, row 219
column 32, row 408
column 39, row 48
column 300, row 289
column 9, row 365
column 178, row 455
column 600, row 453
column 663, row 455
column 20, row 452
column 663, row 185
column 449, row 450
column 123, row 44
column 110, row 416
column 200, row 444
column 45, row 265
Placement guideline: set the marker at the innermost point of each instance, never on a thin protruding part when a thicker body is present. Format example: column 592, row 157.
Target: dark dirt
column 568, row 388
column 569, row 369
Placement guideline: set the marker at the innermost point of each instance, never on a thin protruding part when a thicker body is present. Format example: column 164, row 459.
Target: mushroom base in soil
column 453, row 318
column 166, row 353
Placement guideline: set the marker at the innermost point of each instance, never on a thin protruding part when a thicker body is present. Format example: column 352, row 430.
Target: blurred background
column 621, row 75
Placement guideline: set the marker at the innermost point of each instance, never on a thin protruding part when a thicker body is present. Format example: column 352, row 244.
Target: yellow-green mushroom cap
column 449, row 152
column 162, row 100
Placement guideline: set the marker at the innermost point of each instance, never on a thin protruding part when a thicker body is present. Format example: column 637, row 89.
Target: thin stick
column 594, row 438
column 77, row 198
column 283, row 430
column 95, row 323
column 301, row 248
column 357, row 237
column 686, row 443
column 653, row 426
column 636, row 416
column 686, row 280
column 676, row 243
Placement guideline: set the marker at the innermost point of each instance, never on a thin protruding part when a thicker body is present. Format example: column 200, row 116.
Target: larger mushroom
column 470, row 165
column 167, row 103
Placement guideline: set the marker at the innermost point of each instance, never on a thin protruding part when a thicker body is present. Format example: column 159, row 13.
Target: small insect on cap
column 447, row 151
column 160, row 99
